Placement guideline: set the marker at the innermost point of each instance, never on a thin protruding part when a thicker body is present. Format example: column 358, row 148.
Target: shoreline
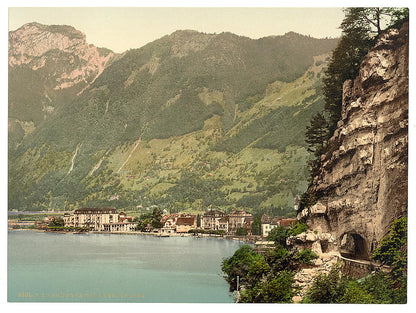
column 225, row 237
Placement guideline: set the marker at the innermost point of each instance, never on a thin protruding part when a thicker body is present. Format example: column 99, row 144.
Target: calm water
column 116, row 268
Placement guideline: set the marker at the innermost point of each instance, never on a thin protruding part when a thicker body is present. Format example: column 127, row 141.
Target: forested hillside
column 188, row 121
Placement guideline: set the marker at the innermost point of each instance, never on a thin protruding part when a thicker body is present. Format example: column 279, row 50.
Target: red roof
column 287, row 222
column 186, row 221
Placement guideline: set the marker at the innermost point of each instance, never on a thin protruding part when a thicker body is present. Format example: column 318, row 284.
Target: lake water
column 53, row 267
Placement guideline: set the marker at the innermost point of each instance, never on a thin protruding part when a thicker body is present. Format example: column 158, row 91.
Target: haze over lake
column 116, row 268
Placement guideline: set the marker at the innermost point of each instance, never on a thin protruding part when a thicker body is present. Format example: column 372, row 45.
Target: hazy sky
column 120, row 29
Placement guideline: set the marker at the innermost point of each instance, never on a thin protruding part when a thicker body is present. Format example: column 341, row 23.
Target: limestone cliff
column 362, row 185
column 34, row 45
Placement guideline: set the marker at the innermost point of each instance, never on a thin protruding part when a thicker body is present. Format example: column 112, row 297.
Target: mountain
column 188, row 121
column 48, row 66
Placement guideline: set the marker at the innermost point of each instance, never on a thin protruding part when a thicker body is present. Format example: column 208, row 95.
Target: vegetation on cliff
column 269, row 277
column 378, row 287
column 361, row 28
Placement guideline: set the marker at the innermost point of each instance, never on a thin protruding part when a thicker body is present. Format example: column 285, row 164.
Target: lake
column 55, row 267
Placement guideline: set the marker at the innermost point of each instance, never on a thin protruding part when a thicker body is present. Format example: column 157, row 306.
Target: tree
column 344, row 64
column 278, row 289
column 372, row 20
column 57, row 221
column 256, row 226
column 393, row 248
column 241, row 231
column 243, row 260
column 278, row 235
column 327, row 288
column 317, row 134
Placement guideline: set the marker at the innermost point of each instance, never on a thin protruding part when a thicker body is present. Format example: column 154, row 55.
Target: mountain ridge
column 164, row 118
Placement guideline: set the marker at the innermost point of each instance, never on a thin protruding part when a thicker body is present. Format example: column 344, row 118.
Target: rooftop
column 103, row 210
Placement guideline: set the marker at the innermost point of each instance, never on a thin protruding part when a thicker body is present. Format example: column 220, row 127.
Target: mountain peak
column 66, row 30
column 32, row 44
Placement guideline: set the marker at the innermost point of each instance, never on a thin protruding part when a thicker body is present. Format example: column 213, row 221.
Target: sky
column 123, row 28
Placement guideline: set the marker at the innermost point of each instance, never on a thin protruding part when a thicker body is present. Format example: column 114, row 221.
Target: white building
column 96, row 218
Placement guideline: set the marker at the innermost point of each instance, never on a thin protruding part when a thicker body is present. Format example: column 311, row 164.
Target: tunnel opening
column 354, row 246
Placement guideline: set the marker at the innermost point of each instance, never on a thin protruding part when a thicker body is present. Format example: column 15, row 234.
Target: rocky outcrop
column 325, row 247
column 362, row 185
column 37, row 46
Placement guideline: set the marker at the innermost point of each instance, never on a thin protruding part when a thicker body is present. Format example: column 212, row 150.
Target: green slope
column 188, row 121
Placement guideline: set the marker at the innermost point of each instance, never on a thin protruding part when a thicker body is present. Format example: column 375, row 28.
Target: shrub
column 306, row 256
column 297, row 229
column 327, row 288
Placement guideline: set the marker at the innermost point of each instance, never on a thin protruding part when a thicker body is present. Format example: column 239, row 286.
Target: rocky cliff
column 362, row 185
column 35, row 44
column 48, row 66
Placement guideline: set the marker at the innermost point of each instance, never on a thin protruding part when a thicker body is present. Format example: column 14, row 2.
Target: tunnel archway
column 354, row 246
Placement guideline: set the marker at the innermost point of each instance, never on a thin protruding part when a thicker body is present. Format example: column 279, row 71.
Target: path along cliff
column 362, row 184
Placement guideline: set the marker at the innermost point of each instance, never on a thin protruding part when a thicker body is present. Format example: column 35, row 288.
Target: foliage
column 279, row 259
column 256, row 225
column 277, row 290
column 150, row 219
column 240, row 265
column 241, row 231
column 306, row 256
column 57, row 221
column 371, row 289
column 327, row 288
column 278, row 235
column 370, row 20
column 392, row 249
column 297, row 229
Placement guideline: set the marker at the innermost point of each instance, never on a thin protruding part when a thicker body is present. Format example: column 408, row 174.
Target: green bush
column 297, row 229
column 277, row 290
column 306, row 256
column 392, row 250
column 241, row 232
column 278, row 235
column 327, row 288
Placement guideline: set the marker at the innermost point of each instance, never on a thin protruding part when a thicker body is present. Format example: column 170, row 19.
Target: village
column 109, row 220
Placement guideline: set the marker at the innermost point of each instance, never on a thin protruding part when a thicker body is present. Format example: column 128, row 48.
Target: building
column 100, row 219
column 223, row 224
column 185, row 224
column 119, row 227
column 211, row 220
column 239, row 219
column 178, row 222
column 268, row 223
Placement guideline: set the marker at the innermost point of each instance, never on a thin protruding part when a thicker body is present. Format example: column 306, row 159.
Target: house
column 93, row 218
column 237, row 219
column 268, row 223
column 100, row 219
column 211, row 219
column 287, row 222
column 119, row 227
column 170, row 223
column 223, row 224
column 185, row 224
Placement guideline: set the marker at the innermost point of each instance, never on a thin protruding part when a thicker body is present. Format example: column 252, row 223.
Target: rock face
column 35, row 45
column 362, row 186
column 47, row 64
